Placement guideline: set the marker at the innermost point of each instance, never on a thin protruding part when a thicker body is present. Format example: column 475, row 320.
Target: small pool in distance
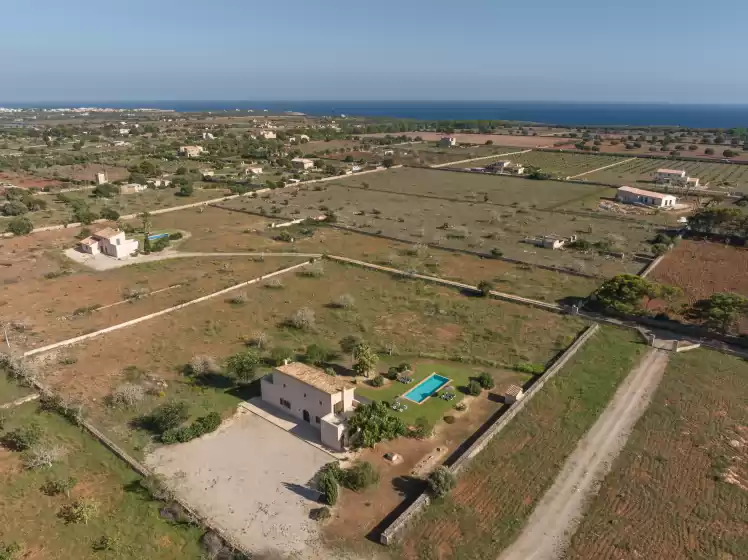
column 426, row 388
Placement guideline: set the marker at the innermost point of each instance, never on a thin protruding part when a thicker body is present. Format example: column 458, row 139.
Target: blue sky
column 572, row 50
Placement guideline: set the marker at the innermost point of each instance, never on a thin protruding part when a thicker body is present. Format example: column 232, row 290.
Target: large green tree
column 372, row 423
column 366, row 359
column 721, row 311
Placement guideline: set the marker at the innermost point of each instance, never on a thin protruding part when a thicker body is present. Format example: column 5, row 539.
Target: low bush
column 485, row 380
column 377, row 381
column 422, row 429
column 127, row 395
column 474, row 388
column 204, row 365
column 359, row 477
column 24, row 437
column 441, row 482
column 449, row 419
column 177, row 235
column 320, row 514
column 166, row 417
column 200, row 427
column 56, row 486
column 79, row 511
column 42, row 456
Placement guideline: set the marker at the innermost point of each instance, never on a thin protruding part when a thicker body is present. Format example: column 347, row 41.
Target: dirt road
column 557, row 515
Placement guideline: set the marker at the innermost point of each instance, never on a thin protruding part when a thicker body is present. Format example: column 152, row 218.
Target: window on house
column 304, row 395
column 285, row 403
column 320, row 403
column 284, row 385
column 316, row 419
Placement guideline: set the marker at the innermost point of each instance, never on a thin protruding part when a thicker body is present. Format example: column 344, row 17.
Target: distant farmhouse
column 675, row 178
column 302, row 163
column 308, row 393
column 101, row 178
column 109, row 241
column 632, row 195
column 506, row 167
column 448, row 142
column 267, row 134
column 191, row 151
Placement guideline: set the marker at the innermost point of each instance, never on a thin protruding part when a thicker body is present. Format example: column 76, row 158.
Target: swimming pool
column 426, row 388
column 157, row 236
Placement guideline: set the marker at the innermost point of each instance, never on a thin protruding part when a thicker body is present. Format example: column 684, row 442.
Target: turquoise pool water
column 426, row 388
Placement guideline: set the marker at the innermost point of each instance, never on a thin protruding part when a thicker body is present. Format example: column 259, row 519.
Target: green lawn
column 500, row 488
column 10, row 390
column 30, row 517
column 433, row 408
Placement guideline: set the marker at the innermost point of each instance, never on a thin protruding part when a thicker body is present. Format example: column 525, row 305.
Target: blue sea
column 561, row 113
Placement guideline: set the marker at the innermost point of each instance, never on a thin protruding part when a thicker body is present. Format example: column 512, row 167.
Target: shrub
column 314, row 270
column 378, row 381
column 485, row 380
column 24, row 437
column 315, row 354
column 204, row 365
column 238, row 299
column 320, row 514
column 259, row 340
column 107, row 543
column 474, row 388
column 168, row 416
column 274, row 284
column 709, row 151
column 10, row 551
column 345, row 301
column 422, row 429
column 20, row 226
column 278, row 355
column 360, row 476
column 485, row 287
column 284, row 236
column 328, row 487
column 157, row 487
column 441, row 482
column 534, row 369
column 79, row 511
column 107, row 190
column 200, row 427
column 127, row 394
column 243, row 365
column 109, row 214
column 659, row 249
column 15, row 208
column 56, row 486
column 176, row 236
column 349, row 343
column 42, row 456
column 186, row 190
column 303, row 319
column 449, row 419
column 497, row 253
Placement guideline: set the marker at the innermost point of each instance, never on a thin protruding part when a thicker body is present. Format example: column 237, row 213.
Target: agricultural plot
column 123, row 522
column 449, row 216
column 409, row 318
column 58, row 212
column 221, row 230
column 47, row 310
column 680, row 488
column 641, row 172
column 560, row 164
column 500, row 488
column 431, row 154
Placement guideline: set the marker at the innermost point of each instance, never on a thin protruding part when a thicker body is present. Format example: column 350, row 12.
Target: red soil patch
column 27, row 181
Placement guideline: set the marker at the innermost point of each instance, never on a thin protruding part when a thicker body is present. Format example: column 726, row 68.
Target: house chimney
column 285, row 361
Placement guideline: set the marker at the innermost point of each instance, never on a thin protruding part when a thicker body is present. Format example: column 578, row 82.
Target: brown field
column 32, row 256
column 55, row 309
column 221, row 231
column 414, row 205
column 517, row 140
column 86, row 172
column 680, row 488
column 702, row 268
column 26, row 181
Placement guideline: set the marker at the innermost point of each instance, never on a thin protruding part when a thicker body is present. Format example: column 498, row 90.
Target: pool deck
column 424, row 380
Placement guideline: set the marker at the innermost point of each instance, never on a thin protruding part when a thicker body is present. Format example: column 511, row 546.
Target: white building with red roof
column 109, row 241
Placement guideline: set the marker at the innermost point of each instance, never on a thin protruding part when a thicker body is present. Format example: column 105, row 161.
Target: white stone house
column 448, row 142
column 101, row 178
column 309, row 394
column 132, row 188
column 267, row 134
column 109, row 241
column 632, row 195
column 191, row 151
column 302, row 163
column 506, row 166
column 253, row 170
column 675, row 177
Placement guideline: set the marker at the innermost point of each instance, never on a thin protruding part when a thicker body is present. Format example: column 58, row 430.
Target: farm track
column 556, row 518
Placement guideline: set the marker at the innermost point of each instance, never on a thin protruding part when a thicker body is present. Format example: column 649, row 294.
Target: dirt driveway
column 249, row 478
column 557, row 516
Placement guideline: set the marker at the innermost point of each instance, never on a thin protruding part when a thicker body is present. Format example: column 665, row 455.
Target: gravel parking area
column 249, row 477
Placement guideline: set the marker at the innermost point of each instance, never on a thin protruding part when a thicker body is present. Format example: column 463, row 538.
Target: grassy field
column 30, row 517
column 410, row 318
column 498, row 491
column 10, row 390
column 680, row 488
column 439, row 207
column 559, row 164
column 641, row 173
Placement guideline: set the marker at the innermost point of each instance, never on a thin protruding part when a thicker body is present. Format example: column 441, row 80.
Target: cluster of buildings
column 675, row 178
column 664, row 178
column 506, row 167
column 191, row 151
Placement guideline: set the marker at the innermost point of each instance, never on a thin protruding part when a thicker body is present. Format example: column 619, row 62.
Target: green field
column 641, row 171
column 125, row 513
column 559, row 164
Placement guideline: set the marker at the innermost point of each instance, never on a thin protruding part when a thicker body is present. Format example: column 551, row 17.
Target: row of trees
column 720, row 221
column 631, row 294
